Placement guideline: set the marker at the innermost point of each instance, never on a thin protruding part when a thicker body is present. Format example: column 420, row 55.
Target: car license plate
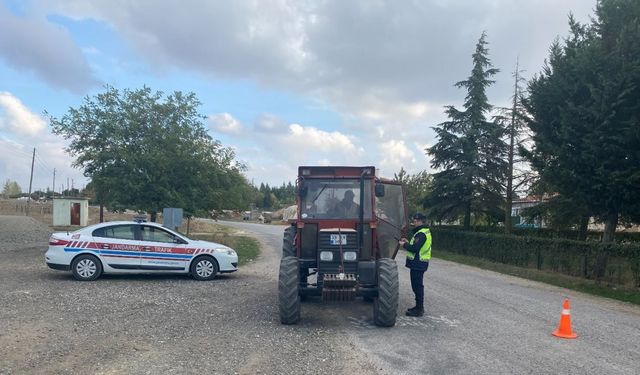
column 338, row 239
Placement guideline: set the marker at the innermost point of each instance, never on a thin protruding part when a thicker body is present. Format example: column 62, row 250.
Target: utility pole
column 33, row 159
column 53, row 193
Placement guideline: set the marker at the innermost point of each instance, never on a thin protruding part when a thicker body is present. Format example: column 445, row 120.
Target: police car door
column 162, row 250
column 118, row 247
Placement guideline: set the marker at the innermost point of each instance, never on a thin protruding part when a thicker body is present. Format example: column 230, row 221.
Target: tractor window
column 390, row 208
column 335, row 199
column 392, row 220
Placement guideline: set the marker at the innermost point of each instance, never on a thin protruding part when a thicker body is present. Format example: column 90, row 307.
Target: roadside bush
column 610, row 263
column 620, row 237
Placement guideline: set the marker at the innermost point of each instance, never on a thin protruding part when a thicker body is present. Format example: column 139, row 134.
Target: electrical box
column 172, row 217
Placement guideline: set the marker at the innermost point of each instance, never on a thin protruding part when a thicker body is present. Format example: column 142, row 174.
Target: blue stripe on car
column 134, row 253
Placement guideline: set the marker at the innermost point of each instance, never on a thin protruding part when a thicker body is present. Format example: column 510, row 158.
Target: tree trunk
column 582, row 230
column 512, row 138
column 467, row 216
column 610, row 227
column 101, row 212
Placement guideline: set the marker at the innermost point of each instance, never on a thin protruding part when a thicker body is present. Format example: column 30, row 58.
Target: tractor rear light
column 350, row 256
column 326, row 256
column 57, row 242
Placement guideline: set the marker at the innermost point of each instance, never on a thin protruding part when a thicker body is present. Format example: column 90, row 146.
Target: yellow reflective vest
column 425, row 250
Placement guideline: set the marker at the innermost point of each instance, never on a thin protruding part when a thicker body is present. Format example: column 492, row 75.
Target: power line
column 17, row 149
column 43, row 162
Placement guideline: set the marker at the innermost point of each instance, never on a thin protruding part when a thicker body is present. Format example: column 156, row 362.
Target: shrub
column 610, row 263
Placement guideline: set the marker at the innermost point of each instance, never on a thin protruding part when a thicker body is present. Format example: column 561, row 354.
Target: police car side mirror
column 179, row 240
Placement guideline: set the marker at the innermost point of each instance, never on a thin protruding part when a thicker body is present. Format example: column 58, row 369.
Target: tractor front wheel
column 288, row 250
column 385, row 305
column 288, row 295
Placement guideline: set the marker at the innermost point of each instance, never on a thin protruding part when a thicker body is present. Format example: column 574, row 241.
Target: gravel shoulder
column 149, row 324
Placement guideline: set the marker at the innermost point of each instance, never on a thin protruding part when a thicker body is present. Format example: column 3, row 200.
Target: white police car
column 136, row 247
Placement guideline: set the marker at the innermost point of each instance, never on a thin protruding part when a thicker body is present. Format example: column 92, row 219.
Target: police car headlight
column 350, row 255
column 227, row 251
column 326, row 256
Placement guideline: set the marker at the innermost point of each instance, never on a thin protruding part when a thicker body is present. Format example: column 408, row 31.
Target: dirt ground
column 150, row 324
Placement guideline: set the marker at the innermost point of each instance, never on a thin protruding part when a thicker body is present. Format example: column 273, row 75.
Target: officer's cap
column 420, row 217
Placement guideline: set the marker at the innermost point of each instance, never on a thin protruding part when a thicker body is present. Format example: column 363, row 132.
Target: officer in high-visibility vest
column 418, row 256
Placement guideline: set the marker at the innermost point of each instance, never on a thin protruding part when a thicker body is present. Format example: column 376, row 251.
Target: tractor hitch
column 339, row 287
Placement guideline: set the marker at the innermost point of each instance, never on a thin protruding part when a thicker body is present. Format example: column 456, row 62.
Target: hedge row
column 610, row 263
column 620, row 237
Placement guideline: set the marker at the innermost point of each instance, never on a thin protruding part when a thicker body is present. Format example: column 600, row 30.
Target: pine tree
column 469, row 152
column 517, row 176
column 586, row 115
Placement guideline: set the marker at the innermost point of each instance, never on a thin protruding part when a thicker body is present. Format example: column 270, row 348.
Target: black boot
column 415, row 311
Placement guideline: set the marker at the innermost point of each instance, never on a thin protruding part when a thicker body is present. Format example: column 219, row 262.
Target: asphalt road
column 476, row 322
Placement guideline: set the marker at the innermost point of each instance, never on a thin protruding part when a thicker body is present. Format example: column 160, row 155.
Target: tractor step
column 339, row 287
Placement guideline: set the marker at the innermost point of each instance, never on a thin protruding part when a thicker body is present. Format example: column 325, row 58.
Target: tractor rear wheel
column 288, row 295
column 288, row 250
column 385, row 305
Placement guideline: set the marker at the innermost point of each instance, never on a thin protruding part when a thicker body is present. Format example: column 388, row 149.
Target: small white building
column 70, row 211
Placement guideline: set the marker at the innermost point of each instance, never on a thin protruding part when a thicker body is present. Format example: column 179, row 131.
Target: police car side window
column 154, row 234
column 123, row 232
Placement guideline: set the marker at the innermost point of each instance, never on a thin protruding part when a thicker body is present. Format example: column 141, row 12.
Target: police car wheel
column 86, row 268
column 204, row 268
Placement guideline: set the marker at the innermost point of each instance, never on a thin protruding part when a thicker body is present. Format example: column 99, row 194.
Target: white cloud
column 224, row 123
column 374, row 59
column 270, row 123
column 32, row 43
column 19, row 118
column 21, row 131
column 395, row 155
column 312, row 138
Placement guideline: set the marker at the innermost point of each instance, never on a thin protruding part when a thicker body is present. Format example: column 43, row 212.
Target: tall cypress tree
column 469, row 151
column 586, row 115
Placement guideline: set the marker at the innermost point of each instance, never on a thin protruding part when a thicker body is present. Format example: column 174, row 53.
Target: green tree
column 585, row 106
column 11, row 189
column 417, row 187
column 145, row 151
column 469, row 152
column 518, row 176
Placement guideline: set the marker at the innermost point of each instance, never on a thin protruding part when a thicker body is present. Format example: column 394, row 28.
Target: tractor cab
column 344, row 240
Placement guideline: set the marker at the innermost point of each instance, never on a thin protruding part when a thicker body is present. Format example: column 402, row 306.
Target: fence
column 611, row 263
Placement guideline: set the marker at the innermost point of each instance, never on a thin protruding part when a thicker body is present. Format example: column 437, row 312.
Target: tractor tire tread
column 385, row 305
column 288, row 296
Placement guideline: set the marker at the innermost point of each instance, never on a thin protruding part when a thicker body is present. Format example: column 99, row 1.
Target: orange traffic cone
column 564, row 329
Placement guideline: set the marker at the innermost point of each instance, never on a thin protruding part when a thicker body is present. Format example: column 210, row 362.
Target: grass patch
column 247, row 248
column 552, row 278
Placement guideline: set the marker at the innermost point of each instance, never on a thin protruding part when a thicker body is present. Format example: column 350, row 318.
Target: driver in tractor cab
column 347, row 208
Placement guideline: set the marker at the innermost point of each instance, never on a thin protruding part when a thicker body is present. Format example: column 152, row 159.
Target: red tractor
column 343, row 243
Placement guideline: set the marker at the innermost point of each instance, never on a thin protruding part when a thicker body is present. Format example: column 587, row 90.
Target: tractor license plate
column 338, row 239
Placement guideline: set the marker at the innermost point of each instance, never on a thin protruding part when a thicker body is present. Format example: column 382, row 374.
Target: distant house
column 518, row 205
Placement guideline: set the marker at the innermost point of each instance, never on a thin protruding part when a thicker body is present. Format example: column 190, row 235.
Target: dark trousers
column 417, row 285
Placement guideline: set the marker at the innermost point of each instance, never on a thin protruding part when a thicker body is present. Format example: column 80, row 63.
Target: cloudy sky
column 283, row 82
